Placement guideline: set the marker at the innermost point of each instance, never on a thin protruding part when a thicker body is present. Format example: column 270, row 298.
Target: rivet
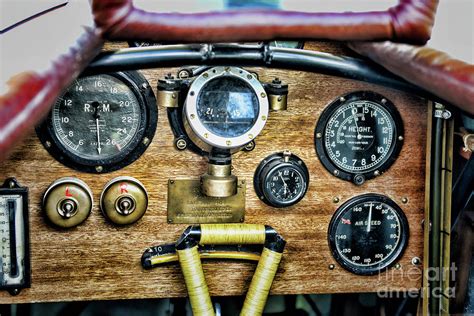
column 335, row 199
column 400, row 138
column 146, row 141
column 415, row 261
column 99, row 168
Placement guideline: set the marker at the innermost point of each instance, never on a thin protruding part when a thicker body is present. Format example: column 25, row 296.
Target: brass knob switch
column 67, row 202
column 124, row 200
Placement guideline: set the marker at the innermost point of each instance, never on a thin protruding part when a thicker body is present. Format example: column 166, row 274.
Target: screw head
column 376, row 173
column 336, row 172
column 144, row 85
column 181, row 144
column 99, row 168
column 47, row 144
column 319, row 135
column 404, row 200
column 342, row 99
column 263, row 95
column 335, row 199
column 398, row 266
column 415, row 261
column 146, row 141
column 400, row 138
column 183, row 74
column 332, row 266
column 383, row 101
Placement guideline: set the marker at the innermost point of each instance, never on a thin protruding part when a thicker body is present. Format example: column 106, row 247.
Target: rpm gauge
column 101, row 123
column 368, row 234
column 359, row 136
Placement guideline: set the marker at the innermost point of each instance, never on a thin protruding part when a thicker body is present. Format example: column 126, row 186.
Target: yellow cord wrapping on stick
column 261, row 283
column 195, row 282
column 232, row 234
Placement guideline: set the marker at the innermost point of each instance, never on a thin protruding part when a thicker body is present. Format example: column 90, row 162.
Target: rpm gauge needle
column 369, row 219
column 97, row 116
column 99, row 149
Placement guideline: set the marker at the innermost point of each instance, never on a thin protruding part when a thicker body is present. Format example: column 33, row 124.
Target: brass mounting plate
column 187, row 205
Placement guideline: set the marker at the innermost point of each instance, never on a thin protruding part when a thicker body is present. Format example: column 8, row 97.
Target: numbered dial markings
column 100, row 122
column 368, row 234
column 359, row 134
column 97, row 117
column 285, row 184
column 281, row 179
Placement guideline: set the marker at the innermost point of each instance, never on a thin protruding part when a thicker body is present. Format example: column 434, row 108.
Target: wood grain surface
column 99, row 261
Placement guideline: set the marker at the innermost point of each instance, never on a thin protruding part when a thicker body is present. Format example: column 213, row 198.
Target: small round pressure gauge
column 226, row 107
column 281, row 180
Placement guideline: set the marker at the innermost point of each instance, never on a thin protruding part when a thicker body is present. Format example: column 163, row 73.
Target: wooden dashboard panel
column 98, row 261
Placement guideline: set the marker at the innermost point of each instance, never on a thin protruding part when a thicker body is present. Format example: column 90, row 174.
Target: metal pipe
column 250, row 55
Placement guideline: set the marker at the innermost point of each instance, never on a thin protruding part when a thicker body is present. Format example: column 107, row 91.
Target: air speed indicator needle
column 370, row 218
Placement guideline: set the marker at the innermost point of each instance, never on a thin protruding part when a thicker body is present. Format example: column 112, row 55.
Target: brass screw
column 336, row 172
column 146, row 141
column 319, row 135
column 228, row 143
column 398, row 266
column 171, row 181
column 376, row 173
column 205, row 75
column 181, row 144
column 99, row 168
column 47, row 144
column 335, row 199
column 332, row 266
column 263, row 94
column 206, row 135
column 404, row 200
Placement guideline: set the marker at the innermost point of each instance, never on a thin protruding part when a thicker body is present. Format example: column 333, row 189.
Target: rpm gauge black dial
column 368, row 234
column 281, row 180
column 359, row 136
column 101, row 123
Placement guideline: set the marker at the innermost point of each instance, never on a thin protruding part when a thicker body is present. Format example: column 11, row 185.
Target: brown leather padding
column 435, row 71
column 410, row 21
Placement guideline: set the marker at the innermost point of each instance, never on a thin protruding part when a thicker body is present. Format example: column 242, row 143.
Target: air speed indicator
column 368, row 234
column 359, row 136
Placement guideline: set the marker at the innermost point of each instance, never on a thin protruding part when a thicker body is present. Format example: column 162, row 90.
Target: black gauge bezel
column 386, row 263
column 147, row 128
column 274, row 162
column 359, row 177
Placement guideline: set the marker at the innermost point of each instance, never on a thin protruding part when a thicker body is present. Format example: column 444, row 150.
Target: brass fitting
column 218, row 181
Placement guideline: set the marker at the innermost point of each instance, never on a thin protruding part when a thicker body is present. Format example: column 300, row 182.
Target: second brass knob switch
column 124, row 200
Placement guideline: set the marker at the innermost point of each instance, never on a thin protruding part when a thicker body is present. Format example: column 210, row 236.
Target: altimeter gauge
column 359, row 136
column 101, row 123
